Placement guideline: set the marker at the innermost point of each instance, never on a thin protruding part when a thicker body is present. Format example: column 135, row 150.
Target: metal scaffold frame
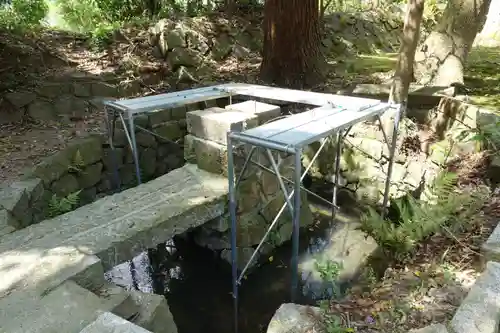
column 290, row 136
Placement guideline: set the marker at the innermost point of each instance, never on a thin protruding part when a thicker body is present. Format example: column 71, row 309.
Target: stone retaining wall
column 84, row 170
column 259, row 197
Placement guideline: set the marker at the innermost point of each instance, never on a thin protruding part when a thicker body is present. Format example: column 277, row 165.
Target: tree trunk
column 409, row 41
column 291, row 54
column 442, row 57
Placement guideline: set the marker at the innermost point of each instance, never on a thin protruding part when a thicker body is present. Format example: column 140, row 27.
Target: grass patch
column 483, row 76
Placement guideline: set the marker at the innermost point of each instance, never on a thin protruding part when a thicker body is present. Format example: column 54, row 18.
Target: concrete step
column 154, row 313
column 68, row 308
column 118, row 300
column 110, row 323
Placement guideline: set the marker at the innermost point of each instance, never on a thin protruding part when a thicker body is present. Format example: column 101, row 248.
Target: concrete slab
column 480, row 311
column 68, row 308
column 214, row 123
column 108, row 231
column 491, row 248
column 110, row 323
column 264, row 112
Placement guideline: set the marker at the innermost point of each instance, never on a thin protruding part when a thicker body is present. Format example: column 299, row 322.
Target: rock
column 82, row 89
column 264, row 112
column 494, row 169
column 147, row 160
column 294, row 318
column 53, row 89
column 103, row 89
column 222, row 47
column 480, row 311
column 183, row 75
column 244, row 254
column 110, row 323
column 42, row 110
column 159, row 117
column 184, row 57
column 87, row 196
column 20, row 98
column 434, row 328
column 241, row 52
column 109, row 161
column 145, row 139
column 176, row 38
column 209, row 155
column 8, row 223
column 89, row 149
column 90, row 175
column 16, row 200
column 67, row 184
column 214, row 123
column 154, row 313
column 169, row 130
column 179, row 113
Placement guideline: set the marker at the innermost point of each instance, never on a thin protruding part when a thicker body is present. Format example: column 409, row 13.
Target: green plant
column 58, row 206
column 77, row 164
column 487, row 136
column 445, row 206
column 328, row 269
column 23, row 14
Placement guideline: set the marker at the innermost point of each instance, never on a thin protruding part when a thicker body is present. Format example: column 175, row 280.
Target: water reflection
column 198, row 286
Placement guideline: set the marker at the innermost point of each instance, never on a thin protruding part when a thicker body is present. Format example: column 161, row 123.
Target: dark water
column 198, row 285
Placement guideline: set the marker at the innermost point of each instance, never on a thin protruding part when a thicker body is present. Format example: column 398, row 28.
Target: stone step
column 110, row 323
column 77, row 245
column 118, row 300
column 480, row 311
column 68, row 308
column 154, row 313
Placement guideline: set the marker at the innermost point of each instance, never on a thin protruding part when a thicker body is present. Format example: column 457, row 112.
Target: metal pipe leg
column 133, row 145
column 232, row 214
column 391, row 156
column 111, row 126
column 337, row 175
column 296, row 223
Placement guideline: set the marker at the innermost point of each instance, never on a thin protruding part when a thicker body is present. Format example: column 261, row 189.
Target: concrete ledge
column 107, row 232
column 480, row 311
column 491, row 248
column 110, row 323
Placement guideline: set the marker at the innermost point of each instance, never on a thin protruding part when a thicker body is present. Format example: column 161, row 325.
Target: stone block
column 111, row 161
column 480, row 311
column 8, row 223
column 16, row 200
column 209, row 155
column 264, row 112
column 65, row 185
column 244, row 254
column 154, row 313
column 87, row 196
column 295, row 318
column 178, row 113
column 159, row 117
column 434, row 328
column 145, row 139
column 214, row 123
column 117, row 299
column 110, row 323
column 147, row 161
column 169, row 130
column 491, row 248
column 89, row 176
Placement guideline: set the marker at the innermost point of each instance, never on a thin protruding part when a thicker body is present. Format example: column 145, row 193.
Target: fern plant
column 58, row 206
column 77, row 164
column 444, row 206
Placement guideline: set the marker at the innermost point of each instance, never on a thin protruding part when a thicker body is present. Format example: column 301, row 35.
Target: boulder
column 295, row 318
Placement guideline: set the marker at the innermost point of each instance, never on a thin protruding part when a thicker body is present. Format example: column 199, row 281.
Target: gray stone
column 109, row 161
column 67, row 308
column 117, row 299
column 104, row 90
column 434, row 328
column 154, row 313
column 208, row 155
column 176, row 38
column 158, row 117
column 20, row 98
column 89, row 149
column 114, row 228
column 67, row 184
column 42, row 110
column 169, row 130
column 16, row 201
column 145, row 139
column 222, row 47
column 90, row 175
column 264, row 112
column 87, row 195
column 184, row 57
column 179, row 113
column 148, row 161
column 294, row 318
column 491, row 248
column 214, row 123
column 480, row 311
column 53, row 89
column 244, row 254
column 110, row 323
column 82, row 89
column 8, row 223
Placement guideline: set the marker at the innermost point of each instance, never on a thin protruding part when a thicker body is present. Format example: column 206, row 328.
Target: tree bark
column 409, row 41
column 441, row 58
column 291, row 54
